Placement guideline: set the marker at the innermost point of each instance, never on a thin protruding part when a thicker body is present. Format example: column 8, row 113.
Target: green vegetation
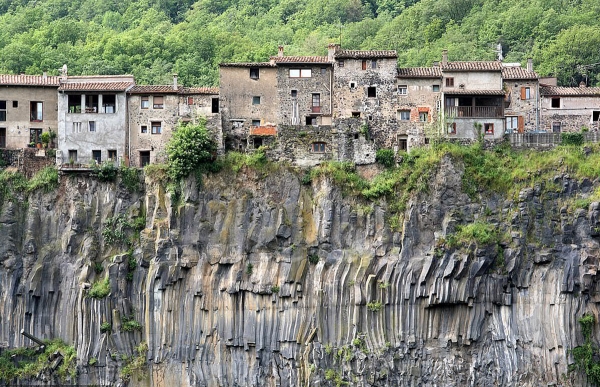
column 14, row 183
column 374, row 306
column 586, row 355
column 118, row 230
column 189, row 147
column 100, row 289
column 136, row 365
column 257, row 160
column 29, row 364
column 313, row 258
column 571, row 138
column 335, row 377
column 249, row 268
column 105, row 327
column 385, row 157
column 129, row 324
column 275, row 289
column 479, row 233
column 130, row 177
column 106, row 171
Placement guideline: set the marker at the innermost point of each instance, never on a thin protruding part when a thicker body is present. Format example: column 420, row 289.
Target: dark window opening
column 318, row 147
column 36, row 110
column 2, row 137
column 112, row 154
column 35, row 135
column 555, row 102
column 74, row 102
column 109, row 103
column 452, row 128
column 144, row 158
column 294, row 93
column 449, row 82
column 356, row 114
column 371, row 92
column 254, row 73
column 403, row 144
column 374, row 64
column 341, row 63
column 92, row 126
column 435, row 88
column 311, row 120
column 258, row 142
column 488, row 128
column 426, row 140
column 145, row 103
column 356, row 136
column 255, row 122
column 256, row 100
column 190, row 101
column 352, row 85
column 423, row 116
column 556, row 127
column 97, row 156
column 364, row 64
column 156, row 127
column 15, row 104
column 2, row 110
column 144, row 129
column 323, row 70
column 215, row 105
column 596, row 116
column 72, row 155
column 91, row 103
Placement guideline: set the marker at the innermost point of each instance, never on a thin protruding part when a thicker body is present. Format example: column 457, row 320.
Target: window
column 256, row 100
column 374, row 64
column 364, row 64
column 435, row 88
column 353, row 85
column 525, row 93
column 402, row 89
column 109, row 103
column 91, row 103
column 300, row 73
column 35, row 135
column 488, row 128
column 596, row 116
column 215, row 105
column 144, row 158
column 323, row 70
column 74, row 101
column 341, row 63
column 427, row 140
column 512, row 124
column 97, row 156
column 403, row 144
column 92, row 126
column 294, row 93
column 76, row 127
column 371, row 92
column 145, row 102
column 255, row 122
column 356, row 114
column 311, row 121
column 190, row 101
column 556, row 127
column 449, row 82
column 403, row 115
column 112, row 154
column 555, row 102
column 257, row 142
column 158, row 102
column 318, row 147
column 156, row 127
column 2, row 137
column 72, row 155
column 452, row 128
column 36, row 110
column 15, row 104
column 254, row 73
column 316, row 103
column 2, row 110
column 423, row 116
column 144, row 129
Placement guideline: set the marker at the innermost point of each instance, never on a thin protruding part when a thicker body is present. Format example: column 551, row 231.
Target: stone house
column 569, row 109
column 155, row 110
column 28, row 107
column 419, row 105
column 522, row 97
column 92, row 118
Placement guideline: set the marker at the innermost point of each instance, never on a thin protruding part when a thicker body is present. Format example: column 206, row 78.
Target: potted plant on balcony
column 31, row 144
column 45, row 137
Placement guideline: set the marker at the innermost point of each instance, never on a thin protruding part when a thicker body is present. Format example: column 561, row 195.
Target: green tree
column 189, row 147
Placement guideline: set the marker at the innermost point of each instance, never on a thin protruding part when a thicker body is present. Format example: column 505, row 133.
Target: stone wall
column 27, row 161
column 525, row 108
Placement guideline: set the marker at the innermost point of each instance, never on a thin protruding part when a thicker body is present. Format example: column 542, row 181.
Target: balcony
column 474, row 111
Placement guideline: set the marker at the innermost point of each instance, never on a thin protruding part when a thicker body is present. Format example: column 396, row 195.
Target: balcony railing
column 474, row 111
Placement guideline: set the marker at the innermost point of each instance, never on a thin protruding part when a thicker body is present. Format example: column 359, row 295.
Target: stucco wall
column 474, row 80
column 18, row 123
column 574, row 113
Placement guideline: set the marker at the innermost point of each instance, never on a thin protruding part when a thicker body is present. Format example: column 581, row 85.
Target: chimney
column 44, row 75
column 529, row 64
column 175, row 82
column 444, row 57
column 582, row 84
column 332, row 48
column 280, row 52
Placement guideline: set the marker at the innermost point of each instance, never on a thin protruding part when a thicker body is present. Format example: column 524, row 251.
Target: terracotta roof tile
column 263, row 131
column 365, row 54
column 248, row 64
column 472, row 66
column 95, row 86
column 570, row 91
column 419, row 72
column 474, row 92
column 518, row 73
column 300, row 59
column 150, row 89
column 199, row 90
column 28, row 80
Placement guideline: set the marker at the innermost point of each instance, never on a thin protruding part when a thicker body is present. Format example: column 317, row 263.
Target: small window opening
column 311, row 120
column 97, row 156
column 372, row 92
column 144, row 158
column 214, row 105
column 488, row 128
column 555, row 102
column 15, row 104
column 255, row 122
column 318, row 147
column 294, row 93
column 254, row 73
column 596, row 116
column 449, row 82
column 256, row 100
column 436, row 88
column 144, row 129
column 112, row 154
column 356, row 114
column 258, row 142
column 364, row 64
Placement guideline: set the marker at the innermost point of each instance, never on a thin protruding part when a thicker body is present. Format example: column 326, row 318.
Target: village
column 302, row 109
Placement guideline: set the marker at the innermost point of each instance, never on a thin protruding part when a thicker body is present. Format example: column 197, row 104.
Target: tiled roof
column 28, row 80
column 474, row 92
column 419, row 72
column 518, row 73
column 571, row 91
column 199, row 90
column 95, row 86
column 248, row 64
column 365, row 54
column 300, row 59
column 149, row 89
column 263, row 131
column 472, row 66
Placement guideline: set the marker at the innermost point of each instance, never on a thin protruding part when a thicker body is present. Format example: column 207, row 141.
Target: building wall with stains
column 573, row 114
column 521, row 105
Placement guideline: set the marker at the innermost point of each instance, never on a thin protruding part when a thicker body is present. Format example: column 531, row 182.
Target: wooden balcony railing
column 474, row 111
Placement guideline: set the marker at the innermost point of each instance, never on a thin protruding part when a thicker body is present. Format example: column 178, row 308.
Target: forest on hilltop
column 153, row 39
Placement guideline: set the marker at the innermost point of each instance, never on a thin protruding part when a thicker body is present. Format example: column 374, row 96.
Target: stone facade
column 522, row 99
column 570, row 109
column 28, row 107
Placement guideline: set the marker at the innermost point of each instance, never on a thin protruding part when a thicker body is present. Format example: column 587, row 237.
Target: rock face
column 258, row 280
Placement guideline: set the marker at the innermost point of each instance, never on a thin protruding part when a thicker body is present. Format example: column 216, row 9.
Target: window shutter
column 521, row 124
column 523, row 95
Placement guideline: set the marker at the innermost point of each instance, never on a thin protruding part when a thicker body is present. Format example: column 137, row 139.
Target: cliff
column 256, row 279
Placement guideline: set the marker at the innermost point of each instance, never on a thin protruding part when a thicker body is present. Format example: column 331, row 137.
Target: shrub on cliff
column 189, row 148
